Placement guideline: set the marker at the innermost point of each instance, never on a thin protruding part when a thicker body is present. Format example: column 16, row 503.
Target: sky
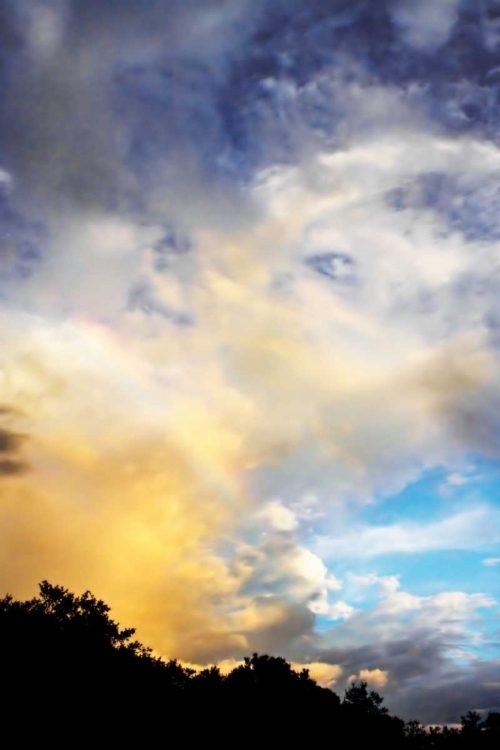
column 250, row 330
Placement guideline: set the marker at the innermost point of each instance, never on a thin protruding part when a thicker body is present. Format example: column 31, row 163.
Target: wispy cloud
column 467, row 530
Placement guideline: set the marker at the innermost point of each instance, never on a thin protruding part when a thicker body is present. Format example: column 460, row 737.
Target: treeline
column 70, row 675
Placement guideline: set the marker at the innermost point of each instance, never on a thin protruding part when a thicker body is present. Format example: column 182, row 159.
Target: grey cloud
column 279, row 627
column 404, row 658
column 426, row 25
column 468, row 203
column 472, row 689
column 423, row 682
column 63, row 127
column 295, row 622
column 129, row 92
column 143, row 297
column 475, row 420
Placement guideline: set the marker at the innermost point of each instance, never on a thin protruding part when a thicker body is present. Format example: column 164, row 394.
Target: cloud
column 416, row 646
column 373, row 677
column 490, row 562
column 426, row 25
column 249, row 284
column 279, row 565
column 116, row 505
column 326, row 675
column 457, row 480
column 452, row 481
column 385, row 584
column 215, row 406
column 449, row 700
column 340, row 611
column 11, row 442
column 466, row 530
column 280, row 517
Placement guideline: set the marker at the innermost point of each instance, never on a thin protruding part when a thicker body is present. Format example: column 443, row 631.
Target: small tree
column 359, row 697
column 471, row 723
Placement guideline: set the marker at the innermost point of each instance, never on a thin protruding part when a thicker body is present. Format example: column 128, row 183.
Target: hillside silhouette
column 71, row 675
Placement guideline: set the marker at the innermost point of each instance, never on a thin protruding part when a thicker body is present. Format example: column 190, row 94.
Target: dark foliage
column 70, row 676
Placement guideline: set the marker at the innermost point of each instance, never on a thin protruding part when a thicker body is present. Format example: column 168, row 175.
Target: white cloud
column 457, row 480
column 385, row 584
column 279, row 516
column 340, row 611
column 45, row 29
column 467, row 530
column 280, row 566
column 311, row 579
column 398, row 603
column 333, row 583
column 491, row 562
column 450, row 612
column 5, row 177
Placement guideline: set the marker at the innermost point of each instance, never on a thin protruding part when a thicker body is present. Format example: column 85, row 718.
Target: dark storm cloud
column 415, row 657
column 475, row 689
column 423, row 682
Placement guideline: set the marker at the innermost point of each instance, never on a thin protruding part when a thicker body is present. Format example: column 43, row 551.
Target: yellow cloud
column 326, row 675
column 373, row 677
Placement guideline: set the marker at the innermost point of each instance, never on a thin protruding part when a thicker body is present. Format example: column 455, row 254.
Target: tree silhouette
column 471, row 723
column 358, row 697
column 415, row 734
column 70, row 675
column 364, row 713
